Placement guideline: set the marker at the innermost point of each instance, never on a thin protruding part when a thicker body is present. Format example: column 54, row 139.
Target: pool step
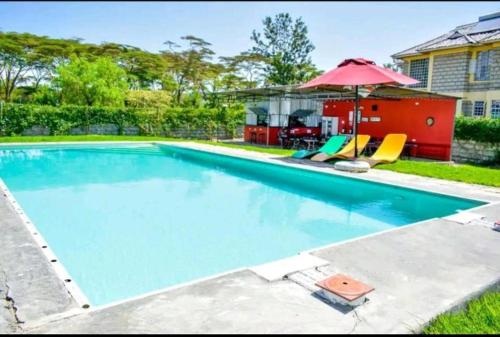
column 146, row 150
column 277, row 270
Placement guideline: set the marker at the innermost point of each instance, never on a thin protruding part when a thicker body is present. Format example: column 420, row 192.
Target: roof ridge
column 467, row 25
column 416, row 47
column 470, row 39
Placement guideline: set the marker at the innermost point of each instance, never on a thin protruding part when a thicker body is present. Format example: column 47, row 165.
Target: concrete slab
column 33, row 285
column 237, row 303
column 8, row 322
column 276, row 270
column 464, row 217
column 418, row 272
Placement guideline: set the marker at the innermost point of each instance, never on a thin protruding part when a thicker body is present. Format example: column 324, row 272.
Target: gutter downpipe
column 356, row 124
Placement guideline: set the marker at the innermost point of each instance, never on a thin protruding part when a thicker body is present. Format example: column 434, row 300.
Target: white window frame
column 495, row 109
column 482, row 71
column 469, row 105
column 474, row 113
column 424, row 82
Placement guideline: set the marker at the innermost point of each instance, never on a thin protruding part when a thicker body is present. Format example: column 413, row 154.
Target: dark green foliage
column 15, row 118
column 481, row 316
column 485, row 130
column 285, row 46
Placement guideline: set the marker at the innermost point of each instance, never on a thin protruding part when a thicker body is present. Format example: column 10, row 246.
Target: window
column 251, row 119
column 467, row 108
column 419, row 70
column 297, row 122
column 495, row 109
column 482, row 66
column 479, row 108
column 261, row 120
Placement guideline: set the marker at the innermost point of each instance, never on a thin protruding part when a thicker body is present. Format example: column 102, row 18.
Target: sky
column 339, row 30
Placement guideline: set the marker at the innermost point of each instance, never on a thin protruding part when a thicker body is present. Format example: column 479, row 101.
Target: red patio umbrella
column 358, row 72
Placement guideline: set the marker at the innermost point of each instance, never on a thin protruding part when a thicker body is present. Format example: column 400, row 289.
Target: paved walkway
column 29, row 287
column 418, row 271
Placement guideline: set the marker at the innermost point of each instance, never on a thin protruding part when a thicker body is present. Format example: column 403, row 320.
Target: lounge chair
column 389, row 151
column 347, row 152
column 331, row 146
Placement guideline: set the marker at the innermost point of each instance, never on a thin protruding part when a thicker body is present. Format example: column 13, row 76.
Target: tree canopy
column 286, row 47
column 97, row 83
column 45, row 70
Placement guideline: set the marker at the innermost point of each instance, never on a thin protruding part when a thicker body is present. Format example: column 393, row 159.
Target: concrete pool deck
column 418, row 271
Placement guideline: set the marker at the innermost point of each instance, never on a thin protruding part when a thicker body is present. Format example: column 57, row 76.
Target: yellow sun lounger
column 390, row 149
column 347, row 152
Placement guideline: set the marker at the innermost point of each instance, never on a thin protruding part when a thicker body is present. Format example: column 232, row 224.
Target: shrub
column 15, row 118
column 147, row 98
column 97, row 83
column 485, row 130
column 45, row 95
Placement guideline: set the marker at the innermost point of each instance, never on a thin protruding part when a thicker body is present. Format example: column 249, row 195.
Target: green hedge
column 15, row 118
column 485, row 130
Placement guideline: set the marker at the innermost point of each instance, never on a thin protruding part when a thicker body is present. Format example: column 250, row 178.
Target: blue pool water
column 129, row 219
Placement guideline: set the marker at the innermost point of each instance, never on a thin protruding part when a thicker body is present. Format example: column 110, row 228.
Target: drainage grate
column 308, row 278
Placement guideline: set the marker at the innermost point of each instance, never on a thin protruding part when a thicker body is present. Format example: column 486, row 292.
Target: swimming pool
column 129, row 219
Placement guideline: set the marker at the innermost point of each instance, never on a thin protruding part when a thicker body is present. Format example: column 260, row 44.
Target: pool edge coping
column 72, row 287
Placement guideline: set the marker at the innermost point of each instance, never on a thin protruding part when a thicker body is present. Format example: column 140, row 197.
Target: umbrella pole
column 356, row 109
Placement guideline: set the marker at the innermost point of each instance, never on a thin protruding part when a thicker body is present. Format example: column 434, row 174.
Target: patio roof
column 293, row 91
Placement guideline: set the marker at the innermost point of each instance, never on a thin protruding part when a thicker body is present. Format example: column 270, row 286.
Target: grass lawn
column 465, row 173
column 481, row 316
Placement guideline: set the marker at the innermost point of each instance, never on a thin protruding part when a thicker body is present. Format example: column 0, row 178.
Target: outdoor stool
column 253, row 137
column 261, row 138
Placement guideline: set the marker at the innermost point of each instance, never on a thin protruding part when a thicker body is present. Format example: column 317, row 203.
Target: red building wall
column 403, row 116
column 260, row 133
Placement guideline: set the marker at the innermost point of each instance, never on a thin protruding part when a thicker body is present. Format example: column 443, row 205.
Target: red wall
column 261, row 133
column 408, row 116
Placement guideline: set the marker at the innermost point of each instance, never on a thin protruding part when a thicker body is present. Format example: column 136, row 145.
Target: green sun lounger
column 332, row 146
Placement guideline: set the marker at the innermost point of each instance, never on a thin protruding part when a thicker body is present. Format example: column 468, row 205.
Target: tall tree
column 189, row 68
column 286, row 46
column 97, row 83
column 30, row 59
column 247, row 66
column 16, row 59
column 49, row 53
column 143, row 69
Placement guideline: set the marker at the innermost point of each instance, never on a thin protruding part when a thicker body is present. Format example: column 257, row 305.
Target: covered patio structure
column 427, row 118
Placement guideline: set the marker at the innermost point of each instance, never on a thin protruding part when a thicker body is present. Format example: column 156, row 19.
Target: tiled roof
column 464, row 35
